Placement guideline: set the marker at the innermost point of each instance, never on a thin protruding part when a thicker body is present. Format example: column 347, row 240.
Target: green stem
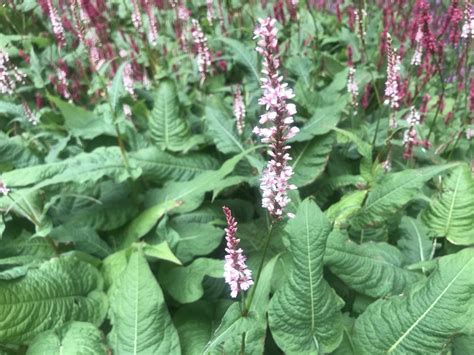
column 259, row 272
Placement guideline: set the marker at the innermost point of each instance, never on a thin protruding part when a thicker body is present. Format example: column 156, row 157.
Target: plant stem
column 259, row 272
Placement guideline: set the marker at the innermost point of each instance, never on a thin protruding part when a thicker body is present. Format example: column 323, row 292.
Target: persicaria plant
column 225, row 177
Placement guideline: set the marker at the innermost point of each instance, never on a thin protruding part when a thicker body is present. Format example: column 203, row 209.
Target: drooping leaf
column 414, row 242
column 342, row 210
column 161, row 251
column 392, row 192
column 140, row 320
column 83, row 238
column 168, row 129
column 60, row 290
column 451, row 214
column 14, row 152
column 304, row 313
column 74, row 338
column 425, row 319
column 310, row 158
column 184, row 284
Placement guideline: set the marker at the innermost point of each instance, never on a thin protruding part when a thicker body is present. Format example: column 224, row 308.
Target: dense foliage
column 165, row 188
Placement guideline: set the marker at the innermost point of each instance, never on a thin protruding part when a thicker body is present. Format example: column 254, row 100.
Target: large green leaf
column 162, row 166
column 15, row 153
column 184, row 284
column 60, row 290
column 140, row 320
column 85, row 167
column 425, row 319
column 392, row 192
column 304, row 313
column 76, row 338
column 451, row 214
column 168, row 129
column 373, row 269
column 310, row 158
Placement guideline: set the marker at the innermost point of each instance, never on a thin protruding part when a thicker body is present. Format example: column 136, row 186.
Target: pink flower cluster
column 236, row 273
column 127, row 79
column 210, row 11
column 10, row 76
column 416, row 59
column 203, row 54
column 239, row 110
column 274, row 182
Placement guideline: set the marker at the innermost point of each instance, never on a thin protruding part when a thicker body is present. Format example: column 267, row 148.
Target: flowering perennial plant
column 236, row 273
column 352, row 87
column 58, row 28
column 410, row 138
column 275, row 180
column 468, row 25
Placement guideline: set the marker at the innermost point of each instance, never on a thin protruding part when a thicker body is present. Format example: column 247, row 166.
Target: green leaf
column 14, row 152
column 140, row 320
column 373, row 269
column 76, row 338
column 222, row 128
column 342, row 210
column 310, row 158
column 192, row 239
column 160, row 251
column 228, row 336
column 243, row 55
column 116, row 90
column 145, row 221
column 82, row 123
column 60, row 290
column 168, row 129
column 392, row 192
column 84, row 238
column 425, row 319
column 414, row 242
column 305, row 312
column 184, row 284
column 323, row 121
column 451, row 214
column 85, row 167
column 195, row 325
column 162, row 166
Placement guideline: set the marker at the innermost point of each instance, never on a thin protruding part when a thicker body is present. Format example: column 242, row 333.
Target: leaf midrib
column 432, row 305
column 451, row 209
column 310, row 270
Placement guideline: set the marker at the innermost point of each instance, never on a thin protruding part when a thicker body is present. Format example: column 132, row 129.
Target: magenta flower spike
column 58, row 28
column 236, row 273
column 203, row 54
column 468, row 25
column 275, row 180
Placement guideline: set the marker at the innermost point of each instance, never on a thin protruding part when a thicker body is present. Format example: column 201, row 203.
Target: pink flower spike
column 239, row 110
column 279, row 113
column 58, row 28
column 236, row 273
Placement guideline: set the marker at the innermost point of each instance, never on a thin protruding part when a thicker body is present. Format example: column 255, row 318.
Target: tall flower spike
column 468, row 26
column 10, row 76
column 58, row 28
column 416, row 59
column 136, row 16
column 392, row 91
column 410, row 138
column 236, row 273
column 239, row 110
column 275, row 180
column 210, row 11
column 203, row 54
column 153, row 30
